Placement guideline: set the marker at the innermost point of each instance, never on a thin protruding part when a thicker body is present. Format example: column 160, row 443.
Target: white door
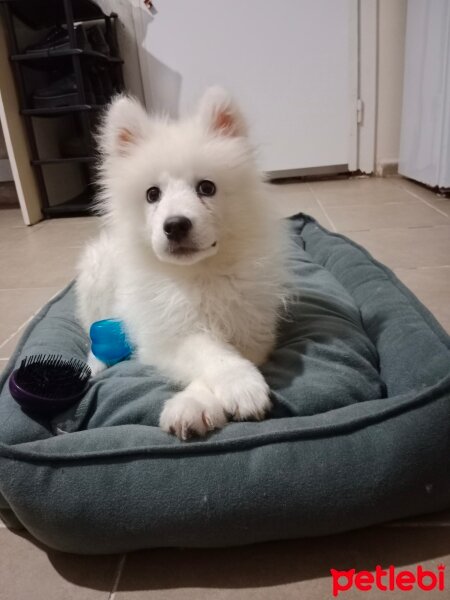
column 292, row 65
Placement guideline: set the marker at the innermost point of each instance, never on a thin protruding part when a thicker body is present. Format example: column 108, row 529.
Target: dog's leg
column 221, row 379
column 95, row 364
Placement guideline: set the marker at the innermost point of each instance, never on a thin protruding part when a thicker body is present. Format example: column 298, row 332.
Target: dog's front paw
column 243, row 392
column 192, row 412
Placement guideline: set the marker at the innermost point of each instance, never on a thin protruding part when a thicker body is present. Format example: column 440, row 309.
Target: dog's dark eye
column 153, row 194
column 206, row 188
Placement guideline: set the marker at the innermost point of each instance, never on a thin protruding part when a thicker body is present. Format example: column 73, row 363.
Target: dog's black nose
column 177, row 228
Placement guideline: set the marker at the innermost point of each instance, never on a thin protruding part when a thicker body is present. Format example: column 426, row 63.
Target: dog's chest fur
column 239, row 308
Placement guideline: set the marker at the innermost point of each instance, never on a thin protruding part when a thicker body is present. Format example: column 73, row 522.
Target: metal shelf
column 80, row 205
column 39, row 14
column 60, row 110
column 57, row 54
column 90, row 98
column 68, row 159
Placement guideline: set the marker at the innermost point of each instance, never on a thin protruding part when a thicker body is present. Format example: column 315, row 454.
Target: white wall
column 391, row 44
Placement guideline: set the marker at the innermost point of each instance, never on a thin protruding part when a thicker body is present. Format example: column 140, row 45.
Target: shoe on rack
column 94, row 83
column 107, row 84
column 97, row 40
column 57, row 39
column 111, row 40
column 62, row 92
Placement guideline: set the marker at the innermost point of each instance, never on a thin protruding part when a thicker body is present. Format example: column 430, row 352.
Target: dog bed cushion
column 359, row 432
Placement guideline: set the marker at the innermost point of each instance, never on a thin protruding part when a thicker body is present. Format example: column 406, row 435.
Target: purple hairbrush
column 47, row 385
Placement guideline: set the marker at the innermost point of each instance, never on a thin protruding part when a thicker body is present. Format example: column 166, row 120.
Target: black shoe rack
column 32, row 69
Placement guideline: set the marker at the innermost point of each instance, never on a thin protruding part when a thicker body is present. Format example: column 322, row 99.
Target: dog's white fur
column 205, row 318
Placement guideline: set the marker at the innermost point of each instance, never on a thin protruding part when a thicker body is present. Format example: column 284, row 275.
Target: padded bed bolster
column 334, row 454
column 411, row 344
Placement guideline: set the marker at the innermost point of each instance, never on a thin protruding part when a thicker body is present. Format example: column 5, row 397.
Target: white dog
column 188, row 258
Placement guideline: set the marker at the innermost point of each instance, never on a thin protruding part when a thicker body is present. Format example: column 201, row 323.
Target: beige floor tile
column 440, row 201
column 289, row 187
column 415, row 188
column 43, row 255
column 282, row 570
column 10, row 217
column 19, row 305
column 432, row 287
column 358, row 192
column 55, row 234
column 442, row 204
column 29, row 572
column 291, row 198
column 13, row 237
column 3, row 362
column 11, row 221
column 68, row 232
column 359, row 182
column 409, row 248
column 414, row 214
column 38, row 267
column 17, row 236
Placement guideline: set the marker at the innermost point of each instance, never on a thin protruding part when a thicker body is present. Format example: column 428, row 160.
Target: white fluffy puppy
column 189, row 258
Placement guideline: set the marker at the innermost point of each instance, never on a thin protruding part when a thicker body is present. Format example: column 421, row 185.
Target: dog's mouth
column 180, row 250
column 177, row 250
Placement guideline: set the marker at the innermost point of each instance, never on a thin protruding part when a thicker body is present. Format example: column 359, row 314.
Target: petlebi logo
column 389, row 579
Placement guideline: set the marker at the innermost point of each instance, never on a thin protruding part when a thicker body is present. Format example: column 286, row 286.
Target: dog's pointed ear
column 219, row 113
column 125, row 124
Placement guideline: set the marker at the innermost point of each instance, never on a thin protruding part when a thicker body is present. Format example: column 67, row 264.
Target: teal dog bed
column 359, row 432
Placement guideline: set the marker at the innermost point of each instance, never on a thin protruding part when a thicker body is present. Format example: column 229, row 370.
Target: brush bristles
column 53, row 376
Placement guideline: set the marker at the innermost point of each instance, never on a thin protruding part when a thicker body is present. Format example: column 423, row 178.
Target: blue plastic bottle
column 109, row 341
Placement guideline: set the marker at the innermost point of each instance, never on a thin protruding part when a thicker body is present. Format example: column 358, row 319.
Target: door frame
column 367, row 74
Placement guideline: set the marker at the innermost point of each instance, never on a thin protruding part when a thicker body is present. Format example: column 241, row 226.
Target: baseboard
column 308, row 172
column 387, row 168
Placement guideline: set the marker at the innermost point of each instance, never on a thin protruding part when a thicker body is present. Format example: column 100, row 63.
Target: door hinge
column 359, row 111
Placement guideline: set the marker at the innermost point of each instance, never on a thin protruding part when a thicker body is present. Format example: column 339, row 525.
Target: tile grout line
column 24, row 324
column 118, row 576
column 422, row 267
column 434, row 267
column 28, row 320
column 45, row 287
column 441, row 212
column 321, row 206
